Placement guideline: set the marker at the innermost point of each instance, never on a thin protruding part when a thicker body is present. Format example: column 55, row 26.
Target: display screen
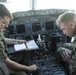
column 49, row 25
column 28, row 25
column 36, row 27
column 10, row 29
column 20, row 28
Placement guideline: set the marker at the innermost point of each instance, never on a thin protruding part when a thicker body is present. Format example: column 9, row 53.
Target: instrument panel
column 32, row 26
column 34, row 22
column 39, row 12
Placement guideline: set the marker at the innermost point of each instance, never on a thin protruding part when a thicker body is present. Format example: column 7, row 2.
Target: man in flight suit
column 67, row 23
column 5, row 17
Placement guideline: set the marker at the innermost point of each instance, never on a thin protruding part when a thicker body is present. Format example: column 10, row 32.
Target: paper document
column 20, row 46
column 32, row 45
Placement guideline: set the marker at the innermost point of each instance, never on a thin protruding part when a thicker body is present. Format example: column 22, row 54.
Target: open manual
column 30, row 45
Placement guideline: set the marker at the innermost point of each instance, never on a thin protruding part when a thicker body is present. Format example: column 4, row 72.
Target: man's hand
column 32, row 68
column 66, row 56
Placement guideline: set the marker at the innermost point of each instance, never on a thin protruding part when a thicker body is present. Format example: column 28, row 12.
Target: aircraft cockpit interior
column 40, row 27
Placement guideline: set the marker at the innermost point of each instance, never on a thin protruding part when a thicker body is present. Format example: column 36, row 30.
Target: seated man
column 67, row 23
column 5, row 17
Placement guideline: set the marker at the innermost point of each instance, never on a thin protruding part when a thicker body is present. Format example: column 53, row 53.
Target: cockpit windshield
column 24, row 5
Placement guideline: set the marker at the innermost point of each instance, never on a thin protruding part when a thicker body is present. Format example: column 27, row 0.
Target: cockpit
column 36, row 20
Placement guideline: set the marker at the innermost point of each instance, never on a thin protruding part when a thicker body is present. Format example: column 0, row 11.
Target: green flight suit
column 72, row 64
column 3, row 56
column 3, row 67
column 70, row 48
column 3, row 47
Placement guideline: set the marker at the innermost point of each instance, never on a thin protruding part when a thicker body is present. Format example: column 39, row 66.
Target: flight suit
column 3, row 55
column 70, row 48
column 3, row 67
column 72, row 65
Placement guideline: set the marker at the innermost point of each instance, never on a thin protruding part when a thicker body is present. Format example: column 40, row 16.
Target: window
column 18, row 5
column 55, row 4
column 24, row 5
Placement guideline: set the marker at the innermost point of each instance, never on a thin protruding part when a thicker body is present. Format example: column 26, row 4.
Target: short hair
column 66, row 17
column 5, row 12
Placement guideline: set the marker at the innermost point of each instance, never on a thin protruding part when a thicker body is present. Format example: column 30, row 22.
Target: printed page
column 32, row 45
column 19, row 47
